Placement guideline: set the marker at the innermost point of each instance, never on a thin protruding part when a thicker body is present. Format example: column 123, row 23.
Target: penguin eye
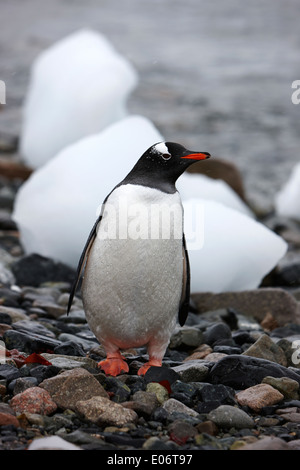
column 166, row 156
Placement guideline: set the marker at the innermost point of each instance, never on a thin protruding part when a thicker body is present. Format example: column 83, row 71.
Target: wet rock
column 227, row 416
column 259, row 396
column 14, row 313
column 34, row 269
column 32, row 327
column 28, row 343
column 147, row 398
column 288, row 387
column 216, row 332
column 158, row 374
column 9, row 372
column 254, row 303
column 265, row 348
column 288, row 275
column 180, row 431
column 192, row 371
column 119, row 391
column 69, row 348
column 186, row 336
column 103, row 411
column 174, row 406
column 219, row 393
column 70, row 362
column 240, row 372
column 22, row 383
column 33, row 400
column 71, row 386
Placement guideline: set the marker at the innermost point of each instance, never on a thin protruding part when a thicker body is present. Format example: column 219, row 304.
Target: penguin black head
column 161, row 165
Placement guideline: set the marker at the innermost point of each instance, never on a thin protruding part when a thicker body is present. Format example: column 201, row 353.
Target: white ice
column 236, row 252
column 287, row 201
column 77, row 87
column 192, row 185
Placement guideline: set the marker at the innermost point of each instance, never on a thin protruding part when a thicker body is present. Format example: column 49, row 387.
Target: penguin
column 134, row 266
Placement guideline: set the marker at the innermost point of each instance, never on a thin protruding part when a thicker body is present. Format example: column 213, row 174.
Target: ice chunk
column 287, row 201
column 228, row 250
column 56, row 207
column 197, row 185
column 77, row 87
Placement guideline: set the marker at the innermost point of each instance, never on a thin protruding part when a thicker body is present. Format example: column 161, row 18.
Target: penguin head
column 161, row 165
column 174, row 156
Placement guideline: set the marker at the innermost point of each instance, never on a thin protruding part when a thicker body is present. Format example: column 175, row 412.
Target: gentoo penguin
column 135, row 262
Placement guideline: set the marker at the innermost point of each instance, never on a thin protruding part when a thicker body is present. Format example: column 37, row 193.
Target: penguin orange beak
column 197, row 156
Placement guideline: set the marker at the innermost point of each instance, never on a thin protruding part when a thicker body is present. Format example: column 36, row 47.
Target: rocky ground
column 230, row 378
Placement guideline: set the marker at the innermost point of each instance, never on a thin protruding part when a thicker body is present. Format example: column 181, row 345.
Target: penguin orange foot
column 114, row 365
column 152, row 362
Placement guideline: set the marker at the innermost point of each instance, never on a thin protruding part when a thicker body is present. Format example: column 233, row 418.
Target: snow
column 192, row 185
column 287, row 201
column 236, row 252
column 77, row 87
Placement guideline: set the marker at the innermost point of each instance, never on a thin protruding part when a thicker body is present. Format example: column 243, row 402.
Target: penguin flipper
column 185, row 295
column 83, row 260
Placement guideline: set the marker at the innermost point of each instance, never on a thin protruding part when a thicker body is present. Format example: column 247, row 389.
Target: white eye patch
column 161, row 148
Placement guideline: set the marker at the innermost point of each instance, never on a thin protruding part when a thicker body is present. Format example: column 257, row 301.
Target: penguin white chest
column 133, row 278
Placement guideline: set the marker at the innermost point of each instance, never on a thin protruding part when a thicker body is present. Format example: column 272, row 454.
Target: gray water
column 214, row 75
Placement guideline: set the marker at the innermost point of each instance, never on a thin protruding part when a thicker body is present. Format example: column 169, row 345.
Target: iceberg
column 77, row 87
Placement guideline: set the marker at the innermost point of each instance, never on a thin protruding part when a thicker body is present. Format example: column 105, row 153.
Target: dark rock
column 231, row 318
column 34, row 269
column 161, row 374
column 9, row 297
column 242, row 337
column 218, row 392
column 183, row 389
column 240, row 372
column 41, row 372
column 227, row 349
column 180, row 431
column 9, row 372
column 70, row 348
column 206, row 407
column 120, row 391
column 285, row 331
column 288, row 276
column 216, row 332
column 124, row 440
column 32, row 328
column 161, row 415
column 19, row 385
column 5, row 318
column 29, row 343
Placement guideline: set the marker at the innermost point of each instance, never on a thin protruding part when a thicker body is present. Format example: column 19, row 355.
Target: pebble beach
column 231, row 375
